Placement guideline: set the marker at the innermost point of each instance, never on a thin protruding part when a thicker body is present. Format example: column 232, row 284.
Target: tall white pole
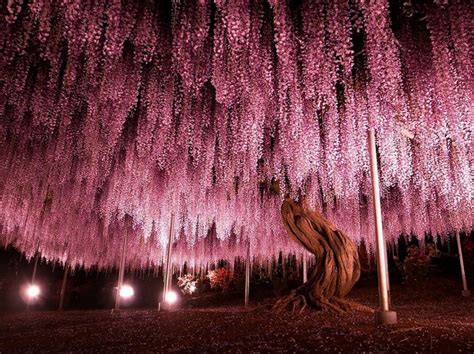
column 247, row 272
column 305, row 268
column 63, row 286
column 247, row 276
column 121, row 272
column 465, row 291
column 167, row 279
column 33, row 277
column 383, row 315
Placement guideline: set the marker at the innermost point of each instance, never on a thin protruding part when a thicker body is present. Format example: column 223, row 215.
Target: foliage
column 117, row 113
column 416, row 264
column 221, row 279
column 468, row 246
column 187, row 284
column 468, row 253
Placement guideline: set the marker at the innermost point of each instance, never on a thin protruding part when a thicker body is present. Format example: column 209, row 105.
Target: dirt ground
column 432, row 318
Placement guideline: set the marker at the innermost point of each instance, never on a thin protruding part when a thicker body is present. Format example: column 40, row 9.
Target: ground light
column 33, row 291
column 171, row 297
column 126, row 292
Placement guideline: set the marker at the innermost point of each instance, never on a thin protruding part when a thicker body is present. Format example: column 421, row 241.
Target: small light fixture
column 126, row 291
column 171, row 297
column 33, row 291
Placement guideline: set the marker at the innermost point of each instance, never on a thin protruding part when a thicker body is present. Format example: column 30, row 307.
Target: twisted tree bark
column 337, row 261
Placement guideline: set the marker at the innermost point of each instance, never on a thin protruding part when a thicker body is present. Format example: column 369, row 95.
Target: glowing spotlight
column 33, row 291
column 171, row 297
column 126, row 291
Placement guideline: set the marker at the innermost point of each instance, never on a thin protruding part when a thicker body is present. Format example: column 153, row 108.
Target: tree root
column 300, row 302
column 294, row 299
column 352, row 306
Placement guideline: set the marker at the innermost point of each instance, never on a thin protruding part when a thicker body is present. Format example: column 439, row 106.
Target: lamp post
column 384, row 315
column 465, row 292
column 34, row 290
column 121, row 272
column 63, row 286
column 247, row 274
column 167, row 273
column 33, row 277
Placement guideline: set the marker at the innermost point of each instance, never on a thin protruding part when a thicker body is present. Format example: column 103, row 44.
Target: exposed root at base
column 299, row 303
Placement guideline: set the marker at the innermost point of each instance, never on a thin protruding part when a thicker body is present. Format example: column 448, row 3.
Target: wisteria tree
column 144, row 108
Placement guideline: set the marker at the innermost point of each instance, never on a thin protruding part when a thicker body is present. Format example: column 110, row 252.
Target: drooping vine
column 146, row 108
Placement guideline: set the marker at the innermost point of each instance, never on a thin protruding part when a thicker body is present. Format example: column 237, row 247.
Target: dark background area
column 95, row 289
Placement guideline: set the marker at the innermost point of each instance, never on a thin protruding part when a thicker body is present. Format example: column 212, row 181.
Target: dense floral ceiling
column 116, row 114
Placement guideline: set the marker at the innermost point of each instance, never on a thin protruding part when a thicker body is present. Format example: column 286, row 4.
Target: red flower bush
column 220, row 278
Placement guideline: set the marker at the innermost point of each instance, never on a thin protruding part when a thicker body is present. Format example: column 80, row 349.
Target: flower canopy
column 116, row 114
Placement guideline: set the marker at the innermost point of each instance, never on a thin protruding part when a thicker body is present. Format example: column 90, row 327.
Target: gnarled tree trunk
column 337, row 261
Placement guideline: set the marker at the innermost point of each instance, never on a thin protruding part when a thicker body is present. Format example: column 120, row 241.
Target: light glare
column 171, row 297
column 33, row 291
column 126, row 291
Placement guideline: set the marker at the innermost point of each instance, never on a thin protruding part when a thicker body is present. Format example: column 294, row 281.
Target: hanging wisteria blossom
column 116, row 114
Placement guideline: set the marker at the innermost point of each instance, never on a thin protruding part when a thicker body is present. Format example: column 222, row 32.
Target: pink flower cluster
column 114, row 115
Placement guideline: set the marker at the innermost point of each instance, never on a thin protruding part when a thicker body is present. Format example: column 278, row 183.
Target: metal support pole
column 247, row 274
column 63, row 286
column 305, row 268
column 121, row 273
column 201, row 265
column 167, row 274
column 383, row 315
column 465, row 291
column 33, row 277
